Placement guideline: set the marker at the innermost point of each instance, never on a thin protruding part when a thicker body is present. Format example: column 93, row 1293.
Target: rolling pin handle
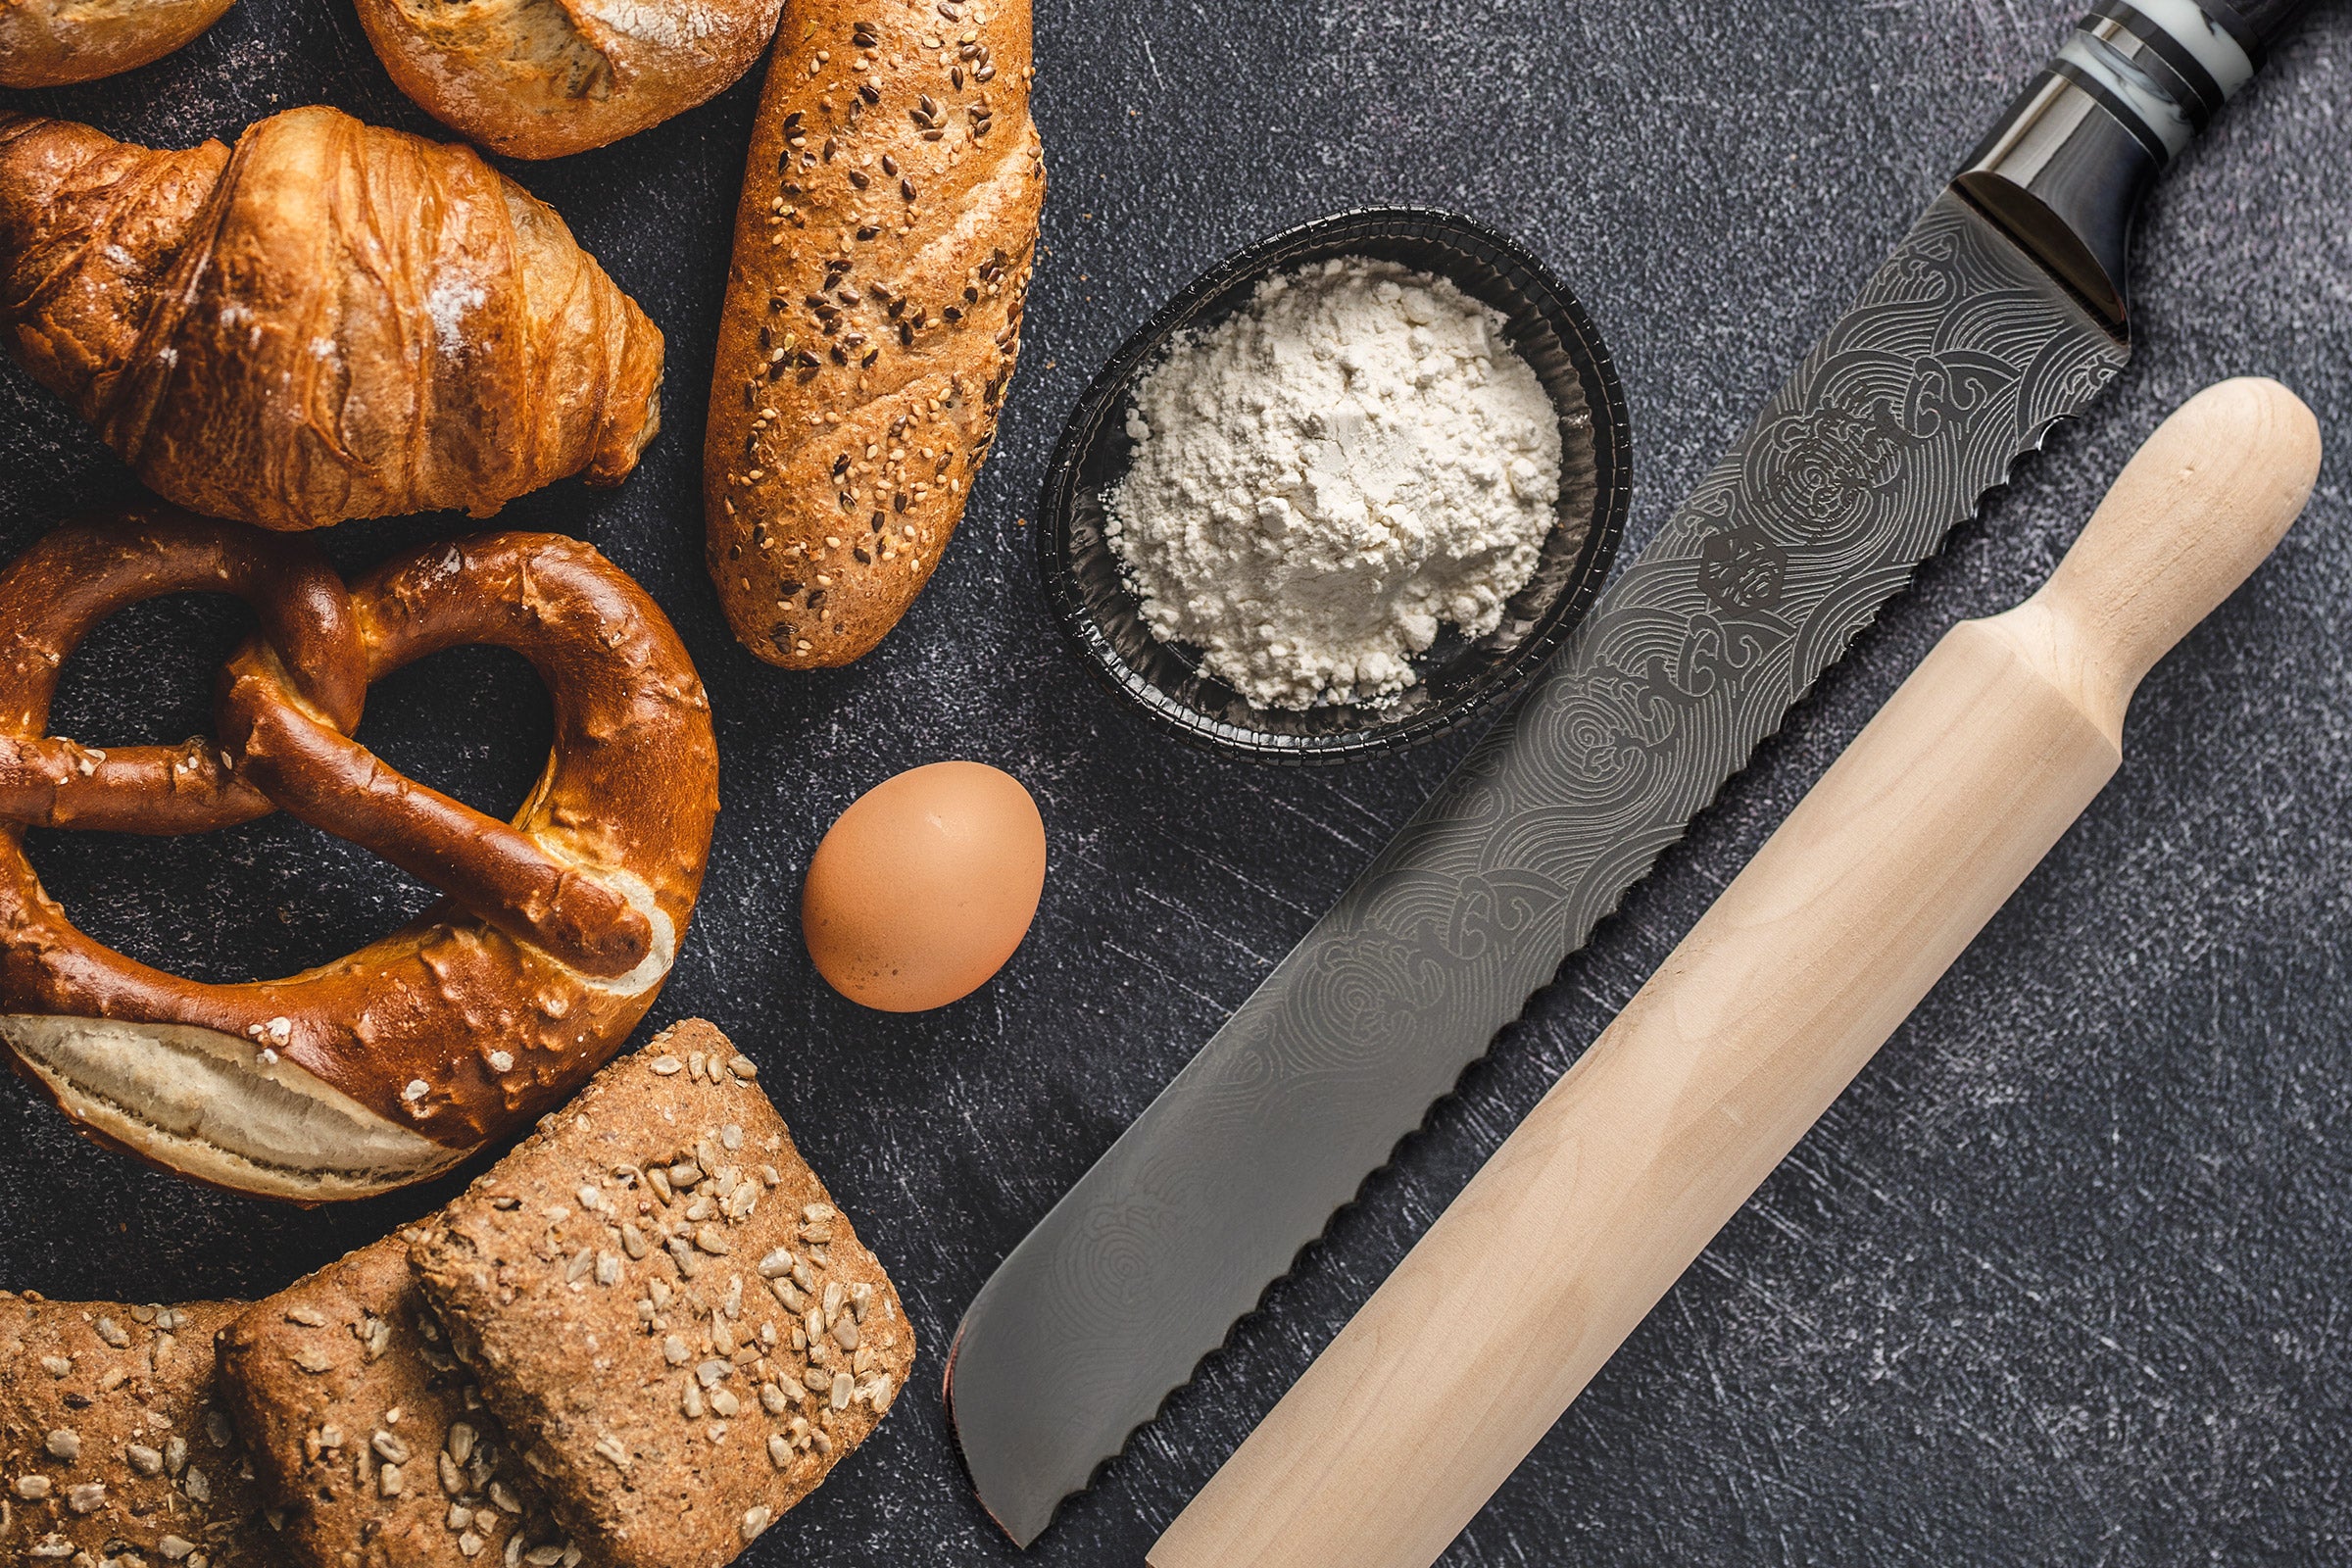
column 2196, row 510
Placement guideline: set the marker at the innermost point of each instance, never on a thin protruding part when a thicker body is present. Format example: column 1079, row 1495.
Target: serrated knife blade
column 1999, row 314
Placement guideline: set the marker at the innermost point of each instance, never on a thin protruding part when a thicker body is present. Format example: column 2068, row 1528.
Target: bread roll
column 726, row 1343
column 112, row 1445
column 882, row 251
column 333, row 1356
column 540, row 79
column 54, row 43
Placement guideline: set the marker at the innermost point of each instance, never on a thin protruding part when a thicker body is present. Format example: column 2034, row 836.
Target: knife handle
column 2065, row 169
column 2260, row 22
column 1473, row 1347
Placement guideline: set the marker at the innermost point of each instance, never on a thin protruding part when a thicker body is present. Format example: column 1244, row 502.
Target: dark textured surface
column 1692, row 658
column 2062, row 1278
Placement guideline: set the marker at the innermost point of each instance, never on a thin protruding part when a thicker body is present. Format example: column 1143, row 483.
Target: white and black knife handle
column 2066, row 168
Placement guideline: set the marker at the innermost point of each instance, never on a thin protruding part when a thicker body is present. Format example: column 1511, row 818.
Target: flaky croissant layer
column 333, row 320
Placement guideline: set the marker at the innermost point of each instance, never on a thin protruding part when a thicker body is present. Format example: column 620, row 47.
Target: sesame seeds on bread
column 112, row 1446
column 370, row 1434
column 884, row 244
column 662, row 1295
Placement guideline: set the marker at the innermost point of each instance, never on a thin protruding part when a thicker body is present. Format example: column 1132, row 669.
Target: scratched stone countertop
column 2063, row 1277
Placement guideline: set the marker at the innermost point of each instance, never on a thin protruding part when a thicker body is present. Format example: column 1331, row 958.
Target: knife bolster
column 2063, row 175
column 2065, row 169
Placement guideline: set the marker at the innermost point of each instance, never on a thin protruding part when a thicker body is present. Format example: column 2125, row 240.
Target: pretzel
column 556, row 931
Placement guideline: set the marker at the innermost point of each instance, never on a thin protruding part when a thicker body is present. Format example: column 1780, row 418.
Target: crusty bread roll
column 54, row 43
column 540, row 79
column 882, row 252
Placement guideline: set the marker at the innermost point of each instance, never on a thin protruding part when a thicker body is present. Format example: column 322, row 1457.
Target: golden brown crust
column 261, row 338
column 390, row 1065
column 693, row 1350
column 86, row 225
column 54, row 43
column 541, row 79
column 110, row 1433
column 88, row 569
column 365, row 1430
column 883, row 250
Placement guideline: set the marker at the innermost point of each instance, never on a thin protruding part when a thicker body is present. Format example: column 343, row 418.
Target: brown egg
column 924, row 886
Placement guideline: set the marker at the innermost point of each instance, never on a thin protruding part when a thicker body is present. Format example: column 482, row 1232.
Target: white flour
column 1350, row 460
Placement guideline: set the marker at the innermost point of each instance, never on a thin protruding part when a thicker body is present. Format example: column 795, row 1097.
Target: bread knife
column 1802, row 968
column 2001, row 311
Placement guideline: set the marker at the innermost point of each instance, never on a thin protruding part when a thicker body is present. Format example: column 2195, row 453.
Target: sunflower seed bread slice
column 112, row 1444
column 656, row 1289
column 368, row 1433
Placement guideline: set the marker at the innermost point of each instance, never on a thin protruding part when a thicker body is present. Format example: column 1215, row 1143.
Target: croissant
column 333, row 320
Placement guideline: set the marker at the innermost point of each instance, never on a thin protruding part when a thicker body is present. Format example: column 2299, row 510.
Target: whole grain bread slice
column 112, row 1443
column 370, row 1434
column 660, row 1293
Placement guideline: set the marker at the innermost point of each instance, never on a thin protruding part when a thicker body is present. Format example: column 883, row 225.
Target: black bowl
column 1460, row 676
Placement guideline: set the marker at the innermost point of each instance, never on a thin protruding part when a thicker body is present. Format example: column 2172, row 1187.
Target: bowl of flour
column 1350, row 488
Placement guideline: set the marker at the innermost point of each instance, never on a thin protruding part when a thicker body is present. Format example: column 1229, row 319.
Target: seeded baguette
column 883, row 250
column 367, row 1431
column 693, row 1352
column 112, row 1441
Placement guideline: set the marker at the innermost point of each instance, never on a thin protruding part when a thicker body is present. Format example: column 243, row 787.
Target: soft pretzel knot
column 555, row 935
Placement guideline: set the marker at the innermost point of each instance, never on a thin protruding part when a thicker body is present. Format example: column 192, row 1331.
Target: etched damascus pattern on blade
column 1958, row 358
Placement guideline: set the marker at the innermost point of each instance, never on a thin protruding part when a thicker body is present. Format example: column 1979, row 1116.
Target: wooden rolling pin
column 1415, row 1413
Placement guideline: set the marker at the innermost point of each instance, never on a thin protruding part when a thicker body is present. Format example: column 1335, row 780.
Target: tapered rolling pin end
column 2196, row 510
